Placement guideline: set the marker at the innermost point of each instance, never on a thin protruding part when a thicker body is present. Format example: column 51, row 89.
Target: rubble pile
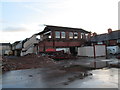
column 26, row 62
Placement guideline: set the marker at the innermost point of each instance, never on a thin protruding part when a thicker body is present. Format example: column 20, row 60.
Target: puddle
column 46, row 78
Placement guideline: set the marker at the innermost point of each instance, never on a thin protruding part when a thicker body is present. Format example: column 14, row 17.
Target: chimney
column 109, row 30
column 94, row 34
column 89, row 35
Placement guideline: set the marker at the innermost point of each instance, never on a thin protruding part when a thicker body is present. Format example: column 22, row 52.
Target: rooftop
column 107, row 36
column 60, row 28
column 5, row 44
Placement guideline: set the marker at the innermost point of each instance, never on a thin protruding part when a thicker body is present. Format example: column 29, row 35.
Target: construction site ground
column 21, row 72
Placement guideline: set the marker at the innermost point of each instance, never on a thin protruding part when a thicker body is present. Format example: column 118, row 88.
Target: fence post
column 94, row 51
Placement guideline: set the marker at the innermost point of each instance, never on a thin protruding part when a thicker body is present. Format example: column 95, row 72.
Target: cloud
column 14, row 29
column 20, row 33
column 33, row 8
column 16, row 0
column 3, row 21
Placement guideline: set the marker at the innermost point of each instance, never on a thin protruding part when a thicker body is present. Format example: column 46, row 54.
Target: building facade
column 111, row 38
column 5, row 48
column 30, row 46
column 62, row 37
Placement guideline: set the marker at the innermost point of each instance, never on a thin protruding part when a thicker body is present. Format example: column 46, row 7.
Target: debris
column 30, row 75
column 80, row 77
column 71, row 79
column 26, row 62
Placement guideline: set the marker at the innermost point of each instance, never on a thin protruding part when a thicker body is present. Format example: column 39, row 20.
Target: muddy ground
column 32, row 61
column 26, row 62
column 22, row 69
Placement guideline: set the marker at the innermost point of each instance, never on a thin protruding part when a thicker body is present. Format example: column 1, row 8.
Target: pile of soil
column 26, row 62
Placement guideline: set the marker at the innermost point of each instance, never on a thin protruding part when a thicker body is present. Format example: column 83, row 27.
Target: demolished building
column 66, row 38
column 30, row 45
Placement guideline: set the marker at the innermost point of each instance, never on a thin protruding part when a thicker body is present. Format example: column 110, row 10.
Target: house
column 59, row 37
column 30, row 45
column 111, row 38
column 17, row 47
column 14, row 49
column 5, row 48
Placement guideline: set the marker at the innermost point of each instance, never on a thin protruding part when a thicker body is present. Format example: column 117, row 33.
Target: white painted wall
column 4, row 49
column 19, row 45
column 100, row 50
column 30, row 42
column 29, row 45
column 30, row 50
column 86, row 51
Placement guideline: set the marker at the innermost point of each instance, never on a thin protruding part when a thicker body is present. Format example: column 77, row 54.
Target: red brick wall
column 113, row 42
column 49, row 44
column 60, row 43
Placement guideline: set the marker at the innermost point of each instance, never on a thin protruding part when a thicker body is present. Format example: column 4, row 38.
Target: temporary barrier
column 92, row 51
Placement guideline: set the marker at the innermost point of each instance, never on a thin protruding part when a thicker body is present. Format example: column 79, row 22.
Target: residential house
column 15, row 50
column 111, row 38
column 30, row 46
column 17, row 47
column 58, row 37
column 5, row 48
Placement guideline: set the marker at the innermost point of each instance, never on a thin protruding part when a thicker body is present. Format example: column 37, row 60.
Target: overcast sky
column 20, row 19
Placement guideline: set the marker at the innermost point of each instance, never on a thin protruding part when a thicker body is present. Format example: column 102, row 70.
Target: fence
column 92, row 51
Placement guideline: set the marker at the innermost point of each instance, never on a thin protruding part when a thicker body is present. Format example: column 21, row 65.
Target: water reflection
column 46, row 78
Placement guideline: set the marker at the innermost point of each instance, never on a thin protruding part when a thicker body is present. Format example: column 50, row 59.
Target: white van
column 113, row 50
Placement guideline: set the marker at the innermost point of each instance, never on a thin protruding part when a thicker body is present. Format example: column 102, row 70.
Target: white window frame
column 63, row 35
column 57, row 34
column 71, row 35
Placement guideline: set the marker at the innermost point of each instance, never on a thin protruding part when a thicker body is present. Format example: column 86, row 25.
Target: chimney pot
column 94, row 34
column 109, row 30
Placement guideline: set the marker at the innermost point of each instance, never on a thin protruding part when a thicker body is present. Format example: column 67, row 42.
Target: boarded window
column 57, row 34
column 62, row 34
column 71, row 35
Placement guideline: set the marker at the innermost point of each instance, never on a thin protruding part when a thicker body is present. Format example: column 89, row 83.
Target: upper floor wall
column 64, row 33
column 30, row 42
column 5, row 47
column 19, row 45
